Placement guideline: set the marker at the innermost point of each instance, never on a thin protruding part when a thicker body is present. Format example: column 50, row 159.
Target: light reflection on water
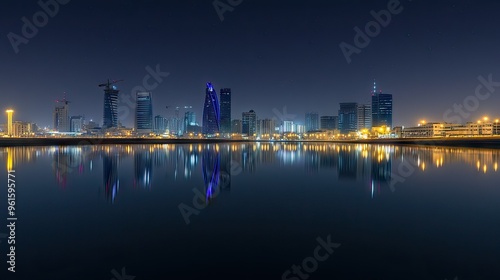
column 377, row 164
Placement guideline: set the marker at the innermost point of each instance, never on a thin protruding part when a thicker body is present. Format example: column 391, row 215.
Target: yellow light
column 485, row 119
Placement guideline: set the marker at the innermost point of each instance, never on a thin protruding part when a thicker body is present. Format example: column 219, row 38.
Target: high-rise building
column 110, row 115
column 76, row 123
column 267, row 127
column 211, row 111
column 348, row 117
column 236, row 126
column 10, row 114
column 312, row 121
column 381, row 108
column 61, row 116
column 144, row 112
column 287, row 127
column 225, row 110
column 190, row 124
column 329, row 122
column 160, row 124
column 249, row 123
column 364, row 117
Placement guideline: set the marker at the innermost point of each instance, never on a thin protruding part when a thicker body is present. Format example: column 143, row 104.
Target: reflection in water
column 373, row 164
column 211, row 170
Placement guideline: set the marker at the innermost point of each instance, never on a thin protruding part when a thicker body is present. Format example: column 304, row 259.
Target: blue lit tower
column 211, row 113
column 381, row 108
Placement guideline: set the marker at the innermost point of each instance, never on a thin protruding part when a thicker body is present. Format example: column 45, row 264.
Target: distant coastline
column 472, row 142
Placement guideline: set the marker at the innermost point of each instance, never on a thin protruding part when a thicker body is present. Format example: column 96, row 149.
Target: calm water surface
column 253, row 211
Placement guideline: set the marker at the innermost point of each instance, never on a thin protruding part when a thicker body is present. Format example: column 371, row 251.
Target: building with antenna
column 381, row 108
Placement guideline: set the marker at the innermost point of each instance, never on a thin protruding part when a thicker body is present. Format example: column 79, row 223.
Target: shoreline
column 466, row 142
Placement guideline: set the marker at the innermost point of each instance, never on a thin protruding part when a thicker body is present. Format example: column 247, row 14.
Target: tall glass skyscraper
column 348, row 117
column 144, row 112
column 211, row 111
column 225, row 110
column 381, row 108
column 110, row 118
column 312, row 122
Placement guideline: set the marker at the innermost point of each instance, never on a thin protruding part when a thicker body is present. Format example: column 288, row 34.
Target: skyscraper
column 61, row 116
column 249, row 123
column 190, row 121
column 144, row 112
column 160, row 126
column 225, row 110
column 110, row 116
column 76, row 123
column 211, row 111
column 381, row 108
column 348, row 117
column 329, row 122
column 364, row 117
column 312, row 121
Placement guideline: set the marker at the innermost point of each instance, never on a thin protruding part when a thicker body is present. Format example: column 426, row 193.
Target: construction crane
column 109, row 83
column 64, row 100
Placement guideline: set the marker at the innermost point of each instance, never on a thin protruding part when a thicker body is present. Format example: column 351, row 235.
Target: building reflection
column 375, row 165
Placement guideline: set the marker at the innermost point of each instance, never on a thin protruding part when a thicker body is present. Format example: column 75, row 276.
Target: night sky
column 271, row 53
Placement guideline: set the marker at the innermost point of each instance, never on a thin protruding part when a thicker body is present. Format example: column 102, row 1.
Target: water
column 252, row 211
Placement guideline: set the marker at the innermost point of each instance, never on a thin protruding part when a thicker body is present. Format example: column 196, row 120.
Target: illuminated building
column 110, row 116
column 329, row 122
column 211, row 112
column 225, row 110
column 312, row 122
column 249, row 123
column 364, row 117
column 348, row 117
column 10, row 114
column 144, row 113
column 381, row 108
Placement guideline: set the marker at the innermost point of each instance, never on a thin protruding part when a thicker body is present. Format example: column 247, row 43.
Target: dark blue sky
column 271, row 53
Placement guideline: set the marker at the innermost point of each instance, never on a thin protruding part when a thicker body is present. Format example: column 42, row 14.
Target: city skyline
column 411, row 62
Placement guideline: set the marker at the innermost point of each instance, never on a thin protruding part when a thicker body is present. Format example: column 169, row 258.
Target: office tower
column 76, row 123
column 211, row 113
column 236, row 126
column 329, row 122
column 381, row 108
column 348, row 117
column 190, row 122
column 225, row 110
column 287, row 127
column 10, row 114
column 160, row 124
column 144, row 112
column 312, row 121
column 364, row 117
column 61, row 116
column 249, row 123
column 267, row 127
column 110, row 115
